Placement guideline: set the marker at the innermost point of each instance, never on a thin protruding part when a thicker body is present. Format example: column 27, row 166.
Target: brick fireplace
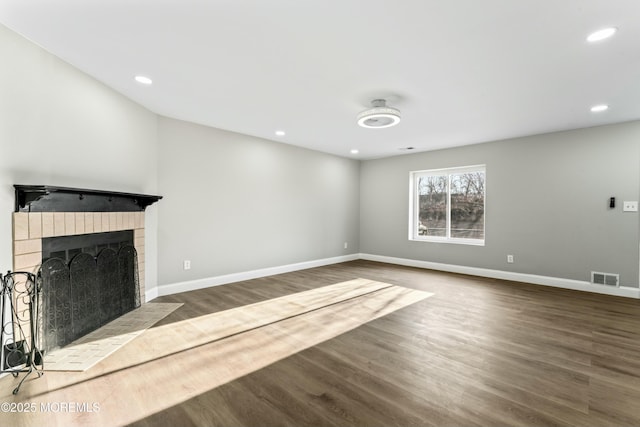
column 45, row 212
column 29, row 228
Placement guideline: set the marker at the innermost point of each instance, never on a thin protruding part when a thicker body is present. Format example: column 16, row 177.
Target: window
column 447, row 205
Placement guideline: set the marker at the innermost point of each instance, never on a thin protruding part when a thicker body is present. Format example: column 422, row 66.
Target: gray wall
column 235, row 203
column 60, row 127
column 546, row 203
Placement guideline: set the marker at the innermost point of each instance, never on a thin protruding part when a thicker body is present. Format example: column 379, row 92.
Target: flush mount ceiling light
column 605, row 33
column 380, row 116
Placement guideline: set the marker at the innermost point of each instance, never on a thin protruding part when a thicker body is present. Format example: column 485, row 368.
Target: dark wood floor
column 480, row 352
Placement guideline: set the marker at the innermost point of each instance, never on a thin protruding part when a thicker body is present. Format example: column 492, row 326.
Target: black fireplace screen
column 86, row 293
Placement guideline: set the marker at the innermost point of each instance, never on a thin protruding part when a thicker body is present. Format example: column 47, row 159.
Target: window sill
column 470, row 242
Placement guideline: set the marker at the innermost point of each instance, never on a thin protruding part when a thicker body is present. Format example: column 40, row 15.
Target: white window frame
column 414, row 206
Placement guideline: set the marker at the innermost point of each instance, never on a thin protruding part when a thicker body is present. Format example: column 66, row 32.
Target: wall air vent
column 607, row 279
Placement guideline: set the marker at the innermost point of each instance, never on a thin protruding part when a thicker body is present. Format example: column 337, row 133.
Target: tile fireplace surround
column 29, row 228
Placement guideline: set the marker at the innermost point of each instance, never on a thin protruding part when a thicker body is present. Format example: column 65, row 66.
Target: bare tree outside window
column 467, row 205
column 433, row 205
column 450, row 205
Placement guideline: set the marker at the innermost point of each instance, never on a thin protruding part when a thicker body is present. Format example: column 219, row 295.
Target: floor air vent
column 607, row 279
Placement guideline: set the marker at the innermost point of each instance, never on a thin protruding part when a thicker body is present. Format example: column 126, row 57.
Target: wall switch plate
column 629, row 206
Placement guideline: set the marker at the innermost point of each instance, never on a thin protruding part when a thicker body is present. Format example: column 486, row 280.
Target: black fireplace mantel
column 46, row 198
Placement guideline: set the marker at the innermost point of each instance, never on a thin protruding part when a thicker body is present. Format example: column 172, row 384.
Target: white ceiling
column 461, row 71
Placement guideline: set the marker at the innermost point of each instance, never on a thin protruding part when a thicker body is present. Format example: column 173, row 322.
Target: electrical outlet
column 510, row 259
column 345, row 245
column 186, row 264
column 629, row 206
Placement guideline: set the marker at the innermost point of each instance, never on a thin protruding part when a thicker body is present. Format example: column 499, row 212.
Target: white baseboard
column 193, row 285
column 578, row 285
column 151, row 294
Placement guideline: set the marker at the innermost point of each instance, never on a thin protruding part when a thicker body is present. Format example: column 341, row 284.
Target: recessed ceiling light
column 280, row 133
column 354, row 151
column 599, row 108
column 144, row 80
column 602, row 34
